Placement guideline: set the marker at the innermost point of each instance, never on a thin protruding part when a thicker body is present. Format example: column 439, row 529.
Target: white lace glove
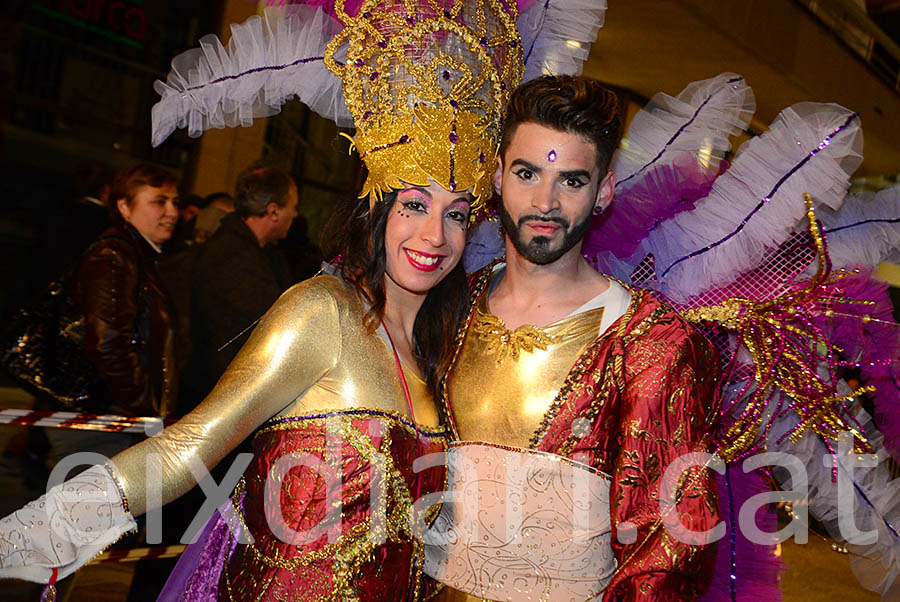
column 63, row 529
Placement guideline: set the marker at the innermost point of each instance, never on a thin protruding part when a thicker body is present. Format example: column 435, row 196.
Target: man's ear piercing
column 598, row 210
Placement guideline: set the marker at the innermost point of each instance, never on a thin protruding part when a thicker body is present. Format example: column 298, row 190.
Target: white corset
column 518, row 524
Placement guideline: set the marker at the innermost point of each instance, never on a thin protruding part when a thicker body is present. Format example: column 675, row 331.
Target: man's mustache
column 543, row 218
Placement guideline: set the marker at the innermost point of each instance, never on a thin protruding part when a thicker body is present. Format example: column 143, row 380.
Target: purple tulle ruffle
column 744, row 571
column 196, row 576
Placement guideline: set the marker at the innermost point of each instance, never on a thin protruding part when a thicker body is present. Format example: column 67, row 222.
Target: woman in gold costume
column 336, row 383
column 337, row 366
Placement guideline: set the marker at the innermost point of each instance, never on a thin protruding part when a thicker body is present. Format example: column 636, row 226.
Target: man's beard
column 538, row 250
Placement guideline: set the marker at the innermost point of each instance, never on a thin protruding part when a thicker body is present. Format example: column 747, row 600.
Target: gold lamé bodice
column 504, row 381
column 310, row 352
column 363, row 368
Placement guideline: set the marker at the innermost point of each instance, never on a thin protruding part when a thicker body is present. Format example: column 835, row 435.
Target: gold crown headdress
column 427, row 83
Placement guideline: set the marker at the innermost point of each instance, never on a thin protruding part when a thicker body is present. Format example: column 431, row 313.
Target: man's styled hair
column 259, row 186
column 127, row 184
column 567, row 103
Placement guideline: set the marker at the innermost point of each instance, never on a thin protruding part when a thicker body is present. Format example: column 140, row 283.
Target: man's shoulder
column 232, row 232
column 227, row 249
column 654, row 318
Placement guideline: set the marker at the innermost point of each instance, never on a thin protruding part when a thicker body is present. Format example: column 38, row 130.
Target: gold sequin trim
column 509, row 343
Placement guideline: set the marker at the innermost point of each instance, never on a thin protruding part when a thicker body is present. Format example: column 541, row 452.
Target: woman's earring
column 598, row 210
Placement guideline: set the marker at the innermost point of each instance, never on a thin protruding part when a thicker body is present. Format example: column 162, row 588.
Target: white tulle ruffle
column 866, row 230
column 669, row 158
column 268, row 61
column 875, row 504
column 557, row 35
column 810, row 148
column 698, row 122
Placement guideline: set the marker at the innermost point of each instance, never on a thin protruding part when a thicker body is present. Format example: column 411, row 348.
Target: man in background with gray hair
column 238, row 275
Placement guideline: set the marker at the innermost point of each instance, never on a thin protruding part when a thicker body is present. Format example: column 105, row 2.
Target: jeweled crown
column 427, row 82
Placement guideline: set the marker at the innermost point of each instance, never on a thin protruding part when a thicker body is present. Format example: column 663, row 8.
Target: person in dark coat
column 129, row 320
column 88, row 216
column 238, row 275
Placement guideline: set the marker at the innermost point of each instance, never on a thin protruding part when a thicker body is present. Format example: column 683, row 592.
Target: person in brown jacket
column 129, row 322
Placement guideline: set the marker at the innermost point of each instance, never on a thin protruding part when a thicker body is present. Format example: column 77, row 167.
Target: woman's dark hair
column 358, row 234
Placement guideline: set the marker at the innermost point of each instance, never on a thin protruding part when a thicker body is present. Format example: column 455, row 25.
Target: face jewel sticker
column 551, row 156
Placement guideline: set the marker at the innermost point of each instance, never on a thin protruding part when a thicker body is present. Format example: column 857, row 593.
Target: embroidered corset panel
column 345, row 532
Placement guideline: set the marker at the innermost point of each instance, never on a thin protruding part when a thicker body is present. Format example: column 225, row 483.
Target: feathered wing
column 269, row 60
column 746, row 241
column 866, row 229
column 668, row 159
column 757, row 203
column 862, row 234
column 557, row 34
column 846, row 494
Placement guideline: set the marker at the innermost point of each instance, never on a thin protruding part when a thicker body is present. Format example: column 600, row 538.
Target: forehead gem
column 551, row 156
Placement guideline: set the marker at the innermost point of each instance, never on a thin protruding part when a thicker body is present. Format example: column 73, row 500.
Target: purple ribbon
column 883, row 220
column 732, row 576
column 219, row 80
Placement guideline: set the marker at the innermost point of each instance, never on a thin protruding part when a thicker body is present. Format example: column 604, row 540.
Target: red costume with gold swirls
column 646, row 387
column 272, row 569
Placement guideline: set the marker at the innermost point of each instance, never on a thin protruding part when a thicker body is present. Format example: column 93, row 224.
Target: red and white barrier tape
column 135, row 554
column 74, row 420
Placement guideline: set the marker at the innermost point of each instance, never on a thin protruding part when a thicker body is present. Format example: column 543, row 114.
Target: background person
column 238, row 274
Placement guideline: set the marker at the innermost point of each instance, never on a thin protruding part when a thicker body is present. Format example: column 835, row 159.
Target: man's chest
column 504, row 382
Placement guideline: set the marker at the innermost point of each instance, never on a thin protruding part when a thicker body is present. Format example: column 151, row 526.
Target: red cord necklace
column 402, row 375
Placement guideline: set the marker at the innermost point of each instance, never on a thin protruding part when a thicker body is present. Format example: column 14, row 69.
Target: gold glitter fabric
column 426, row 82
column 311, row 352
column 504, row 381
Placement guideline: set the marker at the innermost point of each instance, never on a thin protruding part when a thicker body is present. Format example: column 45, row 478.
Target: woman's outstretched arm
column 294, row 345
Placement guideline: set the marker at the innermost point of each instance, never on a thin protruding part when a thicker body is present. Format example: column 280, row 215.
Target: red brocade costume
column 374, row 558
column 635, row 398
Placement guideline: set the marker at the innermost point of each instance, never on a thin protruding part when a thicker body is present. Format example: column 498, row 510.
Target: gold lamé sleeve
column 294, row 345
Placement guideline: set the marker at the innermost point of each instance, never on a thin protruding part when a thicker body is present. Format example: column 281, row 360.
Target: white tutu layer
column 811, row 148
column 866, row 230
column 557, row 35
column 668, row 159
column 268, row 61
column 875, row 506
column 698, row 122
